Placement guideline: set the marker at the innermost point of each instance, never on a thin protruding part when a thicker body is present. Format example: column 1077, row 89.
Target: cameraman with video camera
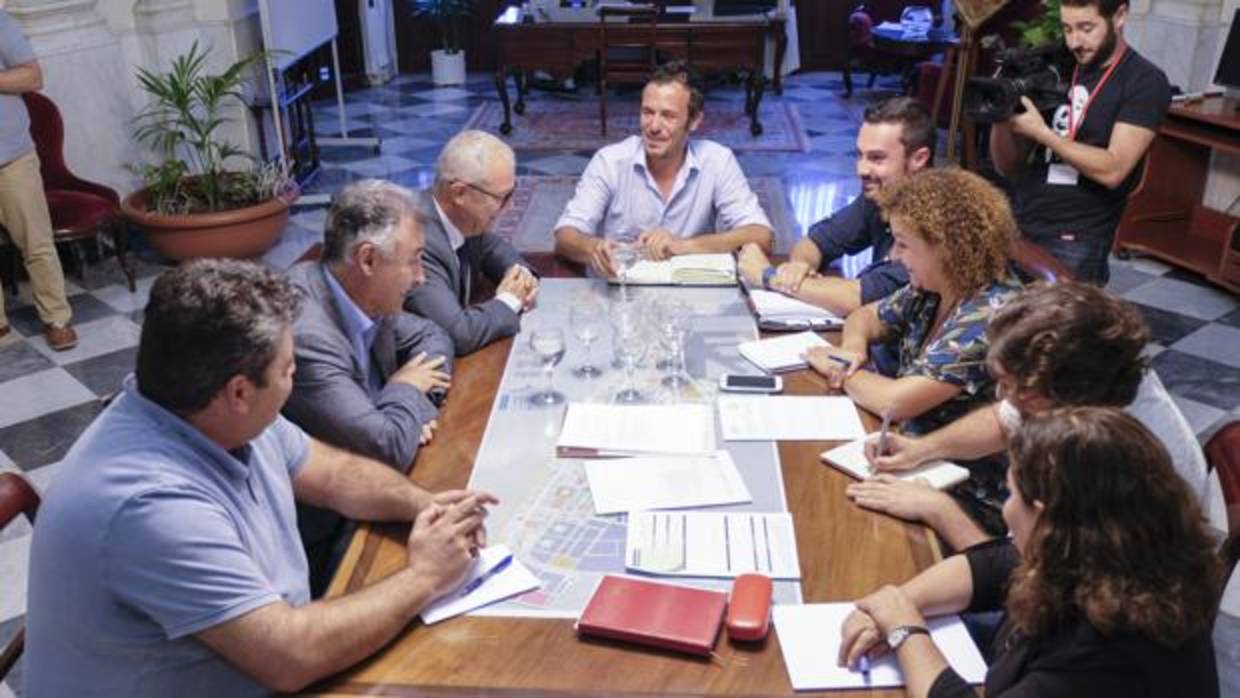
column 1069, row 180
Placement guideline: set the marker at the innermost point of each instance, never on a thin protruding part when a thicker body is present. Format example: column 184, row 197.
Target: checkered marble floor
column 48, row 398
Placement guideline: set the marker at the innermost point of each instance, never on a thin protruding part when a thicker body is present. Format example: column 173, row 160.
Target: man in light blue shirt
column 166, row 561
column 675, row 195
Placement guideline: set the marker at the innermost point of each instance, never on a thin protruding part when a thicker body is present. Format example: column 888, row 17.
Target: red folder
column 649, row 613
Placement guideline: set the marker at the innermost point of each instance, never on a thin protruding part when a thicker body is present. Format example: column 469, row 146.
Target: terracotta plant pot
column 241, row 233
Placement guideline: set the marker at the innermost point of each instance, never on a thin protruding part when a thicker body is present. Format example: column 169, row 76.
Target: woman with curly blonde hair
column 952, row 230
column 1110, row 580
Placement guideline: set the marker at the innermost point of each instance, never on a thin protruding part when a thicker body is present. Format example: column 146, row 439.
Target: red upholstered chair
column 16, row 497
column 80, row 209
column 1223, row 456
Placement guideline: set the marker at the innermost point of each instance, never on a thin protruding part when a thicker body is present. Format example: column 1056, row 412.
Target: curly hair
column 1074, row 343
column 1120, row 541
column 207, row 321
column 963, row 213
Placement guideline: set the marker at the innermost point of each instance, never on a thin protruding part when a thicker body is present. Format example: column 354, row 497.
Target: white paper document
column 685, row 270
column 770, row 305
column 712, row 544
column 781, row 353
column 664, row 482
column 592, row 429
column 809, row 637
column 515, row 579
column 789, row 418
column 850, row 458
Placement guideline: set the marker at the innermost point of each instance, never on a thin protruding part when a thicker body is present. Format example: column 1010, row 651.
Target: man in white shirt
column 672, row 194
column 1053, row 346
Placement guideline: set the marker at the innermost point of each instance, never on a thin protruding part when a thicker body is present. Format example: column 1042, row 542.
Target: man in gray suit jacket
column 474, row 181
column 368, row 373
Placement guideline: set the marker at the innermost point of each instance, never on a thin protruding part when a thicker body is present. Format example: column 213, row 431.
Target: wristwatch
column 767, row 275
column 897, row 636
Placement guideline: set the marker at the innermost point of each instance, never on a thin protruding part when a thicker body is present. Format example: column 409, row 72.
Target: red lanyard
column 1073, row 124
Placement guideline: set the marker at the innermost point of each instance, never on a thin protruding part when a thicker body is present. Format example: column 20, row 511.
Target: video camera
column 1036, row 73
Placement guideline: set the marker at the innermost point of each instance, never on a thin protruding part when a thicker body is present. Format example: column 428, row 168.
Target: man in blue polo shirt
column 166, row 559
column 896, row 140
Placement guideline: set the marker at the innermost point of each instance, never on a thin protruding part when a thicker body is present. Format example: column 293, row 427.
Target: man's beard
column 1103, row 54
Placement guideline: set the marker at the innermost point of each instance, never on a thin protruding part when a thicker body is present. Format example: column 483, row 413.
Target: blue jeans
column 1227, row 653
column 1084, row 254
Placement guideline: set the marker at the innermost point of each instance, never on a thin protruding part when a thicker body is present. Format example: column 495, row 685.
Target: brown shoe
column 60, row 338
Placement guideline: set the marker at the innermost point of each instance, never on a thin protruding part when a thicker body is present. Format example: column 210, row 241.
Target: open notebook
column 685, row 270
column 850, row 458
column 776, row 311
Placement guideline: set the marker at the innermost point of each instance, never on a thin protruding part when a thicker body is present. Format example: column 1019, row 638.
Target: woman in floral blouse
column 952, row 230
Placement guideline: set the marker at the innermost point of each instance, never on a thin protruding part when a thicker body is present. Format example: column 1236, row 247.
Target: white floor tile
column 14, row 562
column 1215, row 342
column 1200, row 416
column 118, row 296
column 1184, row 298
column 40, row 393
column 381, row 166
column 1149, row 265
column 95, row 338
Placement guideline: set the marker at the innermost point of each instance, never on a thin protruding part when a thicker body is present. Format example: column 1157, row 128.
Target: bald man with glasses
column 474, row 180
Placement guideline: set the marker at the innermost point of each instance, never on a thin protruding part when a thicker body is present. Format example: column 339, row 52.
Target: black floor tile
column 1231, row 319
column 46, row 439
column 103, row 374
column 18, row 358
column 1199, row 379
column 1167, row 327
column 85, row 308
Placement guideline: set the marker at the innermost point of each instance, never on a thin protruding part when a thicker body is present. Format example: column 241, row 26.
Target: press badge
column 1062, row 173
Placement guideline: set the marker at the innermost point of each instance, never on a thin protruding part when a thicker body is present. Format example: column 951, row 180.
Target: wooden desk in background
column 1164, row 216
column 844, row 552
column 710, row 46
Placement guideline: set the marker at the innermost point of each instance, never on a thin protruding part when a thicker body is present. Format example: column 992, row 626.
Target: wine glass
column 629, row 344
column 674, row 324
column 625, row 252
column 548, row 345
column 586, row 320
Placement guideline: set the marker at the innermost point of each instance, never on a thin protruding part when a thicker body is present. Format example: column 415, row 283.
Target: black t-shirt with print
column 1137, row 93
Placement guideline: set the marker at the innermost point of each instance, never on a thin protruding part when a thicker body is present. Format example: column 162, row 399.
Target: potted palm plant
column 447, row 63
column 198, row 200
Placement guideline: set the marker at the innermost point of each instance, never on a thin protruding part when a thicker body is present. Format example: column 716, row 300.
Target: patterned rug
column 539, row 200
column 559, row 126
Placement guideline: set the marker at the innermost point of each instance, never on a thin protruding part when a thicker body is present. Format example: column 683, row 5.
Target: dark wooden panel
column 417, row 37
column 822, row 27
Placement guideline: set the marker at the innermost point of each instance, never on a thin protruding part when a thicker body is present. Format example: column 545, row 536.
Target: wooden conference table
column 844, row 552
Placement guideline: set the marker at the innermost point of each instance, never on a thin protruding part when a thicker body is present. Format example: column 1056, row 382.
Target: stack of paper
column 593, row 430
column 850, row 458
column 776, row 309
column 515, row 579
column 666, row 482
column 685, row 270
column 789, row 418
column 781, row 353
column 809, row 637
column 712, row 544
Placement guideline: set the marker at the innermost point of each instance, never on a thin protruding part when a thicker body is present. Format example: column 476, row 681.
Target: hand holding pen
column 837, row 365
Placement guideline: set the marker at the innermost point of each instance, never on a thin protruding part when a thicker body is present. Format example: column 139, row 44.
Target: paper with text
column 789, row 418
column 809, row 637
column 664, row 482
column 601, row 430
column 712, row 544
column 515, row 579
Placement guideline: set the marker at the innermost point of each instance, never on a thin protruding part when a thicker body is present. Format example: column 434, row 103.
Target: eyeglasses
column 503, row 199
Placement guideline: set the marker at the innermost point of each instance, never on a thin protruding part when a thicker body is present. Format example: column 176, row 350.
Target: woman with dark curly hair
column 1110, row 580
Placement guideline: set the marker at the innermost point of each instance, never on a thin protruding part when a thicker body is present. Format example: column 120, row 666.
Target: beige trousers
column 24, row 214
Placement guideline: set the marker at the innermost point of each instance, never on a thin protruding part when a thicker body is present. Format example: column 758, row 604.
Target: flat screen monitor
column 1228, row 73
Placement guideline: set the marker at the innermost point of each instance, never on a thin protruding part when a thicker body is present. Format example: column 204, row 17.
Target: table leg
column 501, row 87
column 522, row 78
column 757, row 83
column 781, row 47
column 847, row 78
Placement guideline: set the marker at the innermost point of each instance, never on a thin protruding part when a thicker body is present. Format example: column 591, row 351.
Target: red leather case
column 749, row 607
column 650, row 613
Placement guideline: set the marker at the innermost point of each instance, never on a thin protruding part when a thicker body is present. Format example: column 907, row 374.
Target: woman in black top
column 1110, row 580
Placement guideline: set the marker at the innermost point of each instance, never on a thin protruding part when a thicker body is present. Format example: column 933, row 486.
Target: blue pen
column 481, row 579
column 863, row 665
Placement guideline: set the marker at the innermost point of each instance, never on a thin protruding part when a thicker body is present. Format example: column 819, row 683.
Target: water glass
column 548, row 344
